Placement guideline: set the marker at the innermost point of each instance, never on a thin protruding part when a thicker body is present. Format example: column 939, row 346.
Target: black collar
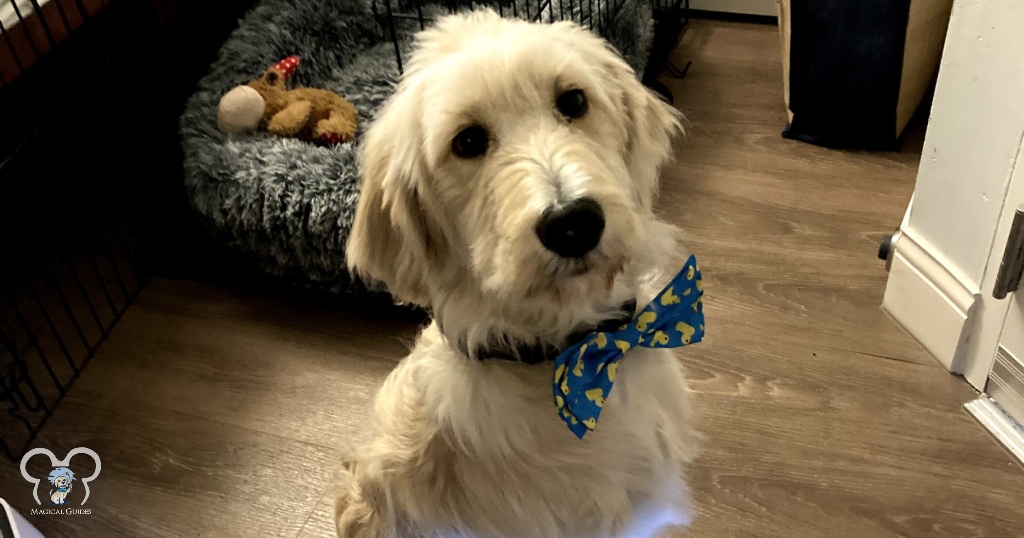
column 537, row 353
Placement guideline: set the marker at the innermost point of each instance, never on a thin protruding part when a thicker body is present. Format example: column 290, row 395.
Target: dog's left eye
column 471, row 142
column 572, row 104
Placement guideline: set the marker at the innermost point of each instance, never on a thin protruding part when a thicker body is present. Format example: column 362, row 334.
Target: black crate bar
column 670, row 16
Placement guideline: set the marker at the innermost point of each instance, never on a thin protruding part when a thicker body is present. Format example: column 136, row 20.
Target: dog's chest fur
column 484, row 439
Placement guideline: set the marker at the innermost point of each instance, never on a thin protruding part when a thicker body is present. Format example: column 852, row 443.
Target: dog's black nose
column 573, row 229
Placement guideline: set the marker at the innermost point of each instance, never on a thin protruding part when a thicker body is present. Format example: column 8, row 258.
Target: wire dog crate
column 669, row 18
column 67, row 275
column 76, row 208
column 60, row 303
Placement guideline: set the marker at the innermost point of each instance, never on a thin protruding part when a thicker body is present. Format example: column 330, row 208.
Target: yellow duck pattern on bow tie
column 674, row 318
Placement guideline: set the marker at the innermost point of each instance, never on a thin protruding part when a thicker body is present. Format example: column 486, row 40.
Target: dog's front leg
column 361, row 507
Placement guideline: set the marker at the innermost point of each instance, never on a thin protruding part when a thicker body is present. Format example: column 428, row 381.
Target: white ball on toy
column 240, row 110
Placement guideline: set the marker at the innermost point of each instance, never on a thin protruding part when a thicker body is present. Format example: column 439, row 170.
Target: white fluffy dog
column 508, row 189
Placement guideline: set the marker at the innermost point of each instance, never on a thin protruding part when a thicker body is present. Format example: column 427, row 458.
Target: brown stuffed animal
column 309, row 114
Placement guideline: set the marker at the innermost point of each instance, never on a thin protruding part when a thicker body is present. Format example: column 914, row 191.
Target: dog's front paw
column 358, row 512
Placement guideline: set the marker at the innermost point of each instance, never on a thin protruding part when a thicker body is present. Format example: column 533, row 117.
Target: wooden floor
column 221, row 413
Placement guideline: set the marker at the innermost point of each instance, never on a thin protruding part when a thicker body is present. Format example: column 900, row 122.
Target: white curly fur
column 468, row 448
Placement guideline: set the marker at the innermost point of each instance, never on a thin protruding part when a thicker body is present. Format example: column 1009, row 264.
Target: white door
column 1005, row 382
column 998, row 340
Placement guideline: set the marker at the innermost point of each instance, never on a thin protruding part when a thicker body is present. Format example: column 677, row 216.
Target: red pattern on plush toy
column 288, row 66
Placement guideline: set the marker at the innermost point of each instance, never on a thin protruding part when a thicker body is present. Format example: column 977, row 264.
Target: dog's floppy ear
column 651, row 125
column 393, row 239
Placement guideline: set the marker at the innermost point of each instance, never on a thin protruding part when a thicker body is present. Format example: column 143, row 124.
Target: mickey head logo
column 55, row 464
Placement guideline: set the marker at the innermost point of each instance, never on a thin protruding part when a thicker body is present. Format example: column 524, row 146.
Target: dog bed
column 284, row 204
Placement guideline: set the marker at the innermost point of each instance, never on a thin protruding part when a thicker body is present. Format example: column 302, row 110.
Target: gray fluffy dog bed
column 285, row 204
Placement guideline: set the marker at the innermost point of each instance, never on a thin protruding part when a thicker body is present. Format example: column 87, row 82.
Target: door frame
column 945, row 257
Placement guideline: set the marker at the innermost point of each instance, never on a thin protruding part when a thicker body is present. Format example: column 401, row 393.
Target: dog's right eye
column 470, row 142
column 572, row 104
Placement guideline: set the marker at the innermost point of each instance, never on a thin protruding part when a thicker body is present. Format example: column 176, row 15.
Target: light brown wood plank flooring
column 221, row 413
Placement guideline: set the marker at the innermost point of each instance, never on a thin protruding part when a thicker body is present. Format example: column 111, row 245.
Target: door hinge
column 1012, row 266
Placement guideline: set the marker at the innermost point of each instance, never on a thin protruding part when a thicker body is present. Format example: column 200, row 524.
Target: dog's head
column 61, row 477
column 514, row 167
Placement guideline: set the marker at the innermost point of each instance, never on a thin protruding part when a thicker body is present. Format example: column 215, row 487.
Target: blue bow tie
column 584, row 373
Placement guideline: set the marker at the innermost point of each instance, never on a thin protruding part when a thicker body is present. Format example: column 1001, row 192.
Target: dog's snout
column 572, row 230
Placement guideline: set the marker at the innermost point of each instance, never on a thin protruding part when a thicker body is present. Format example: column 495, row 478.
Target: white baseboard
column 745, row 7
column 930, row 301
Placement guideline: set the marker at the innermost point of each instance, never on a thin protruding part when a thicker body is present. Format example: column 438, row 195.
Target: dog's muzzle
column 573, row 229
